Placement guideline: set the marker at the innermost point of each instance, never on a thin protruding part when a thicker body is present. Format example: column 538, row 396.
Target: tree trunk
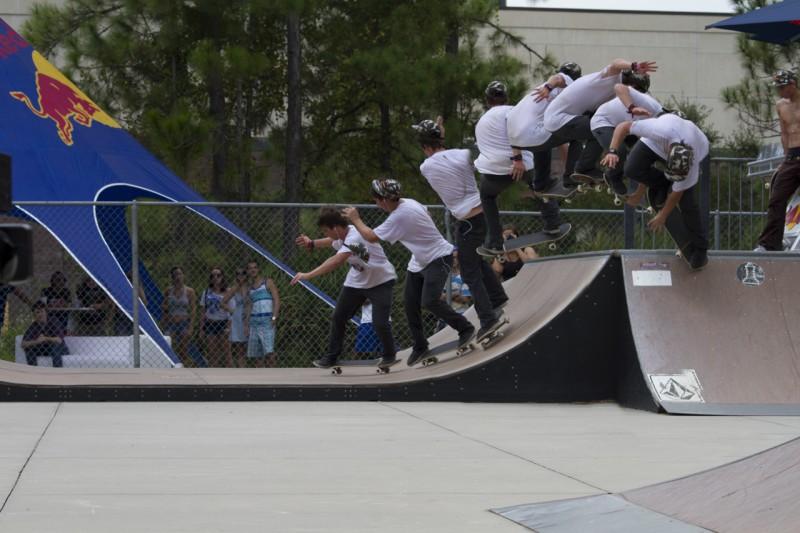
column 450, row 93
column 386, row 140
column 293, row 133
column 216, row 96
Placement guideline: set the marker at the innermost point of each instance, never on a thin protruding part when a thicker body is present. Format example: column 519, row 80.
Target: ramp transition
column 757, row 493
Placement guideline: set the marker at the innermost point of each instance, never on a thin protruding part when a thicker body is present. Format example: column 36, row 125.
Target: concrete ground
column 338, row 467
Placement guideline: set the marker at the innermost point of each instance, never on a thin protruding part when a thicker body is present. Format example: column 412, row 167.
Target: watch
column 517, row 157
column 612, row 151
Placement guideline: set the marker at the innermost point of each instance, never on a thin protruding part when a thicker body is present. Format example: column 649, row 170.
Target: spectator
column 367, row 345
column 235, row 299
column 93, row 318
column 215, row 320
column 122, row 324
column 261, row 313
column 58, row 299
column 179, row 308
column 460, row 296
column 512, row 262
column 5, row 290
column 43, row 338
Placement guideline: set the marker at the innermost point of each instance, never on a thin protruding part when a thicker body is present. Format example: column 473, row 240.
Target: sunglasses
column 216, row 274
column 241, row 273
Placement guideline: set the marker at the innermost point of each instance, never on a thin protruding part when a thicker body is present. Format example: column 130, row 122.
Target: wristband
column 311, row 244
column 630, row 108
column 517, row 157
column 634, row 66
column 612, row 151
column 547, row 86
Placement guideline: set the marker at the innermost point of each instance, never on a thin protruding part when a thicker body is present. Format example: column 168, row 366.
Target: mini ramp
column 558, row 348
column 758, row 493
column 720, row 341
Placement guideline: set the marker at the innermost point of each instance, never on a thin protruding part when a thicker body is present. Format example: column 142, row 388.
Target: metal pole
column 449, row 236
column 716, row 230
column 135, row 281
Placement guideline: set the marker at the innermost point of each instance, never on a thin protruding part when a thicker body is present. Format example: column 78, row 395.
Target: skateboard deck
column 674, row 224
column 587, row 182
column 558, row 191
column 495, row 336
column 539, row 238
column 337, row 368
column 432, row 357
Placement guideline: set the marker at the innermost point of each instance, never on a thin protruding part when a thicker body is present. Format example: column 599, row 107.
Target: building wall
column 694, row 63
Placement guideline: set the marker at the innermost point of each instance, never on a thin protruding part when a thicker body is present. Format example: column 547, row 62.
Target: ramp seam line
column 30, row 456
column 496, row 448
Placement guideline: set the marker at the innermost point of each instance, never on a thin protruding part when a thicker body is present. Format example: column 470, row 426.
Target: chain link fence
column 170, row 236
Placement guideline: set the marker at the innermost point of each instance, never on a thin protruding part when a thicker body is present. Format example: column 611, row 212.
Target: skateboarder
column 787, row 178
column 500, row 167
column 629, row 104
column 680, row 147
column 569, row 115
column 371, row 277
column 431, row 260
column 526, row 131
column 452, row 176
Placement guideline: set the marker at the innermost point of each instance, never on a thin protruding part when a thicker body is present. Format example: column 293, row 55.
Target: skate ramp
column 557, row 348
column 720, row 341
column 758, row 493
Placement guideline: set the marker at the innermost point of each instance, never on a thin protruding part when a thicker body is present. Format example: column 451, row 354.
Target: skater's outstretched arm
column 329, row 265
column 658, row 221
column 351, row 214
column 611, row 159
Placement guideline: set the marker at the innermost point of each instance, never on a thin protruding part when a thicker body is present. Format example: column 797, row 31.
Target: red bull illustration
column 792, row 221
column 61, row 101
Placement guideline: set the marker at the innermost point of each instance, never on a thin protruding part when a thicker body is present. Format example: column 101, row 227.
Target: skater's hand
column 634, row 200
column 300, row 276
column 303, row 241
column 351, row 214
column 541, row 93
column 643, row 67
column 640, row 112
column 657, row 222
column 440, row 123
column 610, row 161
column 517, row 170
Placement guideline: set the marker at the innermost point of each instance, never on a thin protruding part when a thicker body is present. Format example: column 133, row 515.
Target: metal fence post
column 135, row 281
column 716, row 230
column 705, row 193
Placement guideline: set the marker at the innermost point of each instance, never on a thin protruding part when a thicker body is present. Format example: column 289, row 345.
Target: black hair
column 330, row 217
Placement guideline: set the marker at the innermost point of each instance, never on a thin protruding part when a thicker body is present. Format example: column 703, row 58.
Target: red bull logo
column 61, row 101
column 793, row 215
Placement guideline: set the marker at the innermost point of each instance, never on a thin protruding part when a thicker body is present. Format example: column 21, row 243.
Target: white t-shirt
column 584, row 95
column 659, row 133
column 411, row 224
column 525, row 121
column 614, row 112
column 492, row 138
column 452, row 176
column 369, row 266
column 212, row 303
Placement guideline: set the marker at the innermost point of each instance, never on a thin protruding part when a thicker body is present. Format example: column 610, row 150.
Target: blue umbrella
column 776, row 23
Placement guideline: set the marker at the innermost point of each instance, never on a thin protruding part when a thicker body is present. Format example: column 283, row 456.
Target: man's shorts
column 262, row 339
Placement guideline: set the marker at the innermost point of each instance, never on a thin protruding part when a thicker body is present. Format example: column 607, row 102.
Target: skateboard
column 539, row 238
column 674, row 224
column 495, row 336
column 432, row 356
column 619, row 198
column 381, row 369
column 558, row 191
column 587, row 182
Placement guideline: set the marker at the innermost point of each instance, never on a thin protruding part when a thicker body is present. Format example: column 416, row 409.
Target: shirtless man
column 787, row 178
column 569, row 116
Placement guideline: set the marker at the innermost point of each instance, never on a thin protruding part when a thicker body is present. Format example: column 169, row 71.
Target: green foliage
column 754, row 98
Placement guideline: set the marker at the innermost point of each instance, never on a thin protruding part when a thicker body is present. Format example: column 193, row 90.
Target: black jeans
column 578, row 129
column 543, row 155
column 787, row 180
column 639, row 167
column 350, row 300
column 487, row 291
column 424, row 290
column 46, row 350
column 491, row 187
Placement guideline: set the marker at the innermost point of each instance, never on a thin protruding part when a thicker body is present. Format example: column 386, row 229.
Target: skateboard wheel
column 609, row 190
column 598, row 188
column 766, row 185
column 567, row 201
column 336, row 371
column 650, row 211
column 552, row 246
column 380, row 370
column 617, row 201
column 501, row 259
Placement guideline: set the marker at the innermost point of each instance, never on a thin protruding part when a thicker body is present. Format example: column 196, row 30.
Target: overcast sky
column 683, row 6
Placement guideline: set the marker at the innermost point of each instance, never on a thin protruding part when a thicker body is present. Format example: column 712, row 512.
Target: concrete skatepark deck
column 636, row 327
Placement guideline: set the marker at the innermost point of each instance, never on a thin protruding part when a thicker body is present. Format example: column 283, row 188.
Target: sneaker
column 387, row 360
column 490, row 250
column 552, row 230
column 550, row 185
column 759, row 248
column 699, row 259
column 490, row 328
column 466, row 336
column 498, row 308
column 416, row 355
column 326, row 361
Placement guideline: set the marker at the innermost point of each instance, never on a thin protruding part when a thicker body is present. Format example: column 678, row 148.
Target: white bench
column 101, row 352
